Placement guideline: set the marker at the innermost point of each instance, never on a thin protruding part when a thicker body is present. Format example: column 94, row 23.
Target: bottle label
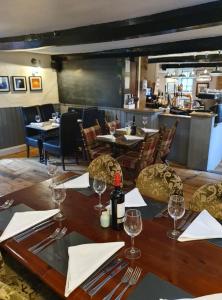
column 120, row 210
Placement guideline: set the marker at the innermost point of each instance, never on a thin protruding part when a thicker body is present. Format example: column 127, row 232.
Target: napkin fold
column 107, row 136
column 80, row 182
column 208, row 297
column 203, row 227
column 85, row 259
column 134, row 199
column 40, row 124
column 133, row 137
column 149, row 130
column 24, row 220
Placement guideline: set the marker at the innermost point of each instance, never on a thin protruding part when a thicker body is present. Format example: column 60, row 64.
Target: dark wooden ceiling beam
column 188, row 58
column 190, row 65
column 183, row 19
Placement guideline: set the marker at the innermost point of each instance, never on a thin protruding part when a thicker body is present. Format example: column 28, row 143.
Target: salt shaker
column 105, row 219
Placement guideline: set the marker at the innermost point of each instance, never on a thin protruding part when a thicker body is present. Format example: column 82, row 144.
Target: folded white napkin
column 85, row 260
column 150, row 130
column 133, row 137
column 24, row 220
column 40, row 124
column 121, row 129
column 107, row 136
column 203, row 227
column 80, row 182
column 209, row 297
column 134, row 199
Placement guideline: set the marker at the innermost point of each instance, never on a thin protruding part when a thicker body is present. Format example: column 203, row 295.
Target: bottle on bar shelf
column 117, row 204
column 133, row 127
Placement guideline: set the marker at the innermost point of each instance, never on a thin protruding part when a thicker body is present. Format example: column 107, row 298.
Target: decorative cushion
column 104, row 167
column 99, row 150
column 90, row 135
column 158, row 182
column 209, row 197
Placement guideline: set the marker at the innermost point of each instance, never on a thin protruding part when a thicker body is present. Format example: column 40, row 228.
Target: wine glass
column 37, row 118
column 133, row 226
column 58, row 196
column 99, row 187
column 145, row 121
column 52, row 169
column 176, row 209
column 54, row 116
column 112, row 130
column 128, row 128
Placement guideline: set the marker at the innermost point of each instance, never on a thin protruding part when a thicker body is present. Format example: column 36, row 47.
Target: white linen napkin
column 121, row 129
column 107, row 136
column 85, row 259
column 80, row 182
column 24, row 220
column 133, row 137
column 203, row 227
column 208, row 297
column 150, row 130
column 134, row 199
column 40, row 124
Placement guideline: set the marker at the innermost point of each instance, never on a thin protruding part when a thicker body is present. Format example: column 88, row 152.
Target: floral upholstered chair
column 209, row 197
column 104, row 167
column 158, row 182
column 92, row 146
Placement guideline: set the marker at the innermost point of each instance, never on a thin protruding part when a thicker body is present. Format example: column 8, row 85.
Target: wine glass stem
column 132, row 244
column 100, row 200
column 59, row 207
column 174, row 224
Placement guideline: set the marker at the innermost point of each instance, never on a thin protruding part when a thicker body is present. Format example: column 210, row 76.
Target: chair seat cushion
column 34, row 140
column 97, row 151
column 128, row 160
column 52, row 145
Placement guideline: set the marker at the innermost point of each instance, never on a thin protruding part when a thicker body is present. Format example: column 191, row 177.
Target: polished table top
column 192, row 266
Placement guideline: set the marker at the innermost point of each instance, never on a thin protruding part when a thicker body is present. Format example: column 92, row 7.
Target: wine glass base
column 99, row 206
column 132, row 253
column 59, row 217
column 173, row 234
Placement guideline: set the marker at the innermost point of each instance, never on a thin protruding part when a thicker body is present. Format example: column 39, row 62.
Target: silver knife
column 104, row 271
column 111, row 275
column 24, row 235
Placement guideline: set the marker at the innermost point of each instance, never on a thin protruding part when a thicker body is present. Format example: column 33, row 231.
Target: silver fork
column 133, row 280
column 7, row 204
column 57, row 237
column 124, row 279
column 51, row 236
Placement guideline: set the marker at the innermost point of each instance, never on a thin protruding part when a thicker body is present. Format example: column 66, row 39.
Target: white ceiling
column 19, row 17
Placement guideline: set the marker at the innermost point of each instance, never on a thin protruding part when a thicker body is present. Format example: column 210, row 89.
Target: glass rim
column 178, row 197
column 138, row 212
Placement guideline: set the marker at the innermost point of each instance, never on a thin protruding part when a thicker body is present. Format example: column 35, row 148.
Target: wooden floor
column 192, row 179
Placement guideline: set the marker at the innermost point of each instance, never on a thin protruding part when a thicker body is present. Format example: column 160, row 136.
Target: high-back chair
column 209, row 197
column 105, row 167
column 166, row 139
column 158, row 182
column 89, row 117
column 46, row 111
column 66, row 145
column 32, row 138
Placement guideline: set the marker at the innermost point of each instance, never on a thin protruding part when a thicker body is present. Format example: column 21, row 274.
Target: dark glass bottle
column 117, row 204
column 133, row 127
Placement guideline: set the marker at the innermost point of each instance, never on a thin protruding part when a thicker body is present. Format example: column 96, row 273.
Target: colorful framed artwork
column 35, row 83
column 201, row 87
column 4, row 84
column 19, row 83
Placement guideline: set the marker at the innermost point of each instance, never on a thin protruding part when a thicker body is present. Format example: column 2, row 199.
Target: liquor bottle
column 117, row 204
column 133, row 127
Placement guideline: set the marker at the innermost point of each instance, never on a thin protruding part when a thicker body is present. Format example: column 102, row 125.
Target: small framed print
column 35, row 83
column 4, row 84
column 19, row 83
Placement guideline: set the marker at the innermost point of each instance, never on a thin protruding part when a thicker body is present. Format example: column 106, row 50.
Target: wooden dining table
column 192, row 266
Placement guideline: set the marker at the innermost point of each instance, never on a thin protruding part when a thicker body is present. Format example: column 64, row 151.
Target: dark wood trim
column 188, row 59
column 183, row 19
column 190, row 65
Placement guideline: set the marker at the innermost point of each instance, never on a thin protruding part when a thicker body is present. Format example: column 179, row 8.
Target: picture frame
column 4, row 84
column 201, row 86
column 19, row 83
column 35, row 83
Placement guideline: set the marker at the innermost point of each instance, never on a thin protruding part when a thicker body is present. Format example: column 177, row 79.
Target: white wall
column 19, row 64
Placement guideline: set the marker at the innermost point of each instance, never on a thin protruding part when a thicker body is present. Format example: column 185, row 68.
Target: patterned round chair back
column 209, row 197
column 158, row 182
column 104, row 167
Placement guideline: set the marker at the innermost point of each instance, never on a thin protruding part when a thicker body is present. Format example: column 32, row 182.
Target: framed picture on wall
column 19, row 83
column 35, row 83
column 4, row 84
column 201, row 87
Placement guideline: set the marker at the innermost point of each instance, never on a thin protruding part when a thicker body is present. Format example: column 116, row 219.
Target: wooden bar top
column 192, row 266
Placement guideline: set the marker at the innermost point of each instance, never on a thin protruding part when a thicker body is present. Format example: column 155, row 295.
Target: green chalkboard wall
column 92, row 82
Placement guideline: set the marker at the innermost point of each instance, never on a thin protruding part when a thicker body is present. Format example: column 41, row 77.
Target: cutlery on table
column 184, row 220
column 51, row 236
column 189, row 221
column 57, row 237
column 93, row 291
column 124, row 279
column 86, row 287
column 162, row 213
column 133, row 280
column 27, row 233
column 7, row 204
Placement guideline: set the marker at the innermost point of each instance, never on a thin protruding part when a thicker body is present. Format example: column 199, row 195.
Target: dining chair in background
column 32, row 138
column 104, row 167
column 66, row 145
column 209, row 197
column 158, row 182
column 46, row 111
